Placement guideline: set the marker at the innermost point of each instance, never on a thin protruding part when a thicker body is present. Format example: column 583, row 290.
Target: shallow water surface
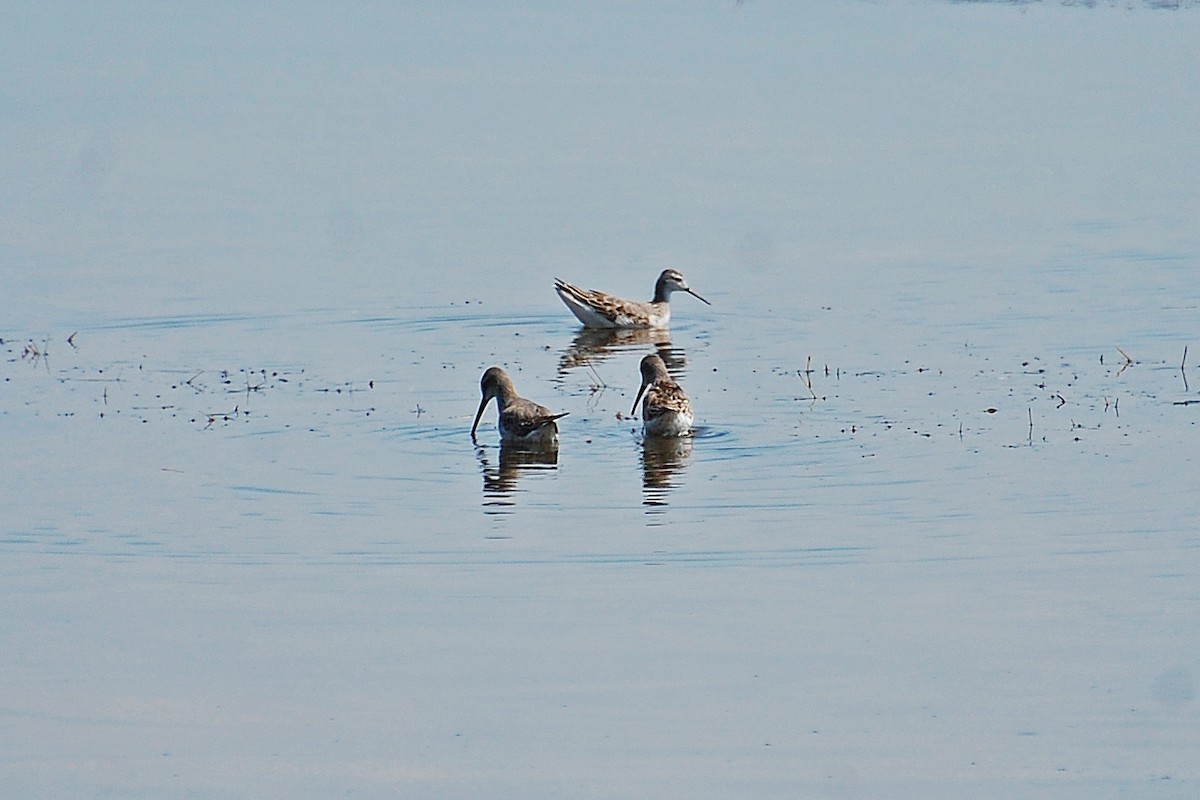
column 933, row 536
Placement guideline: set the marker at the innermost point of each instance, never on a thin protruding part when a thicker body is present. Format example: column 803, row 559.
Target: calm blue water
column 934, row 535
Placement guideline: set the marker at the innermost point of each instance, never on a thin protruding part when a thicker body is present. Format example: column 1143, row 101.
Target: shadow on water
column 593, row 346
column 501, row 480
column 664, row 459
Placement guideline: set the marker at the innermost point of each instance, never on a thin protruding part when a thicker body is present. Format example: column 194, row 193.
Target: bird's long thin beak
column 698, row 297
column 641, row 391
column 482, row 405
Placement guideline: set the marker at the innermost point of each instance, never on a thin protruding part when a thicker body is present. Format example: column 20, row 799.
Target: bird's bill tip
column 478, row 414
column 640, row 392
column 698, row 297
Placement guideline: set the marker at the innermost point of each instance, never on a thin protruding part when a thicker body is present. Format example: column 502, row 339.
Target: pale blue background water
column 249, row 550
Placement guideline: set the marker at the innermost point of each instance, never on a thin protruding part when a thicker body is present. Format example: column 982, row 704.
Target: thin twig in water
column 212, row 418
column 258, row 387
column 1128, row 362
column 1183, row 369
column 34, row 355
column 600, row 384
column 1030, row 410
column 71, row 341
column 598, row 387
column 806, row 376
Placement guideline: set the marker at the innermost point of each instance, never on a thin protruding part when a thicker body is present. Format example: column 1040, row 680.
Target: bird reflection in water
column 593, row 346
column 500, row 481
column 664, row 459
